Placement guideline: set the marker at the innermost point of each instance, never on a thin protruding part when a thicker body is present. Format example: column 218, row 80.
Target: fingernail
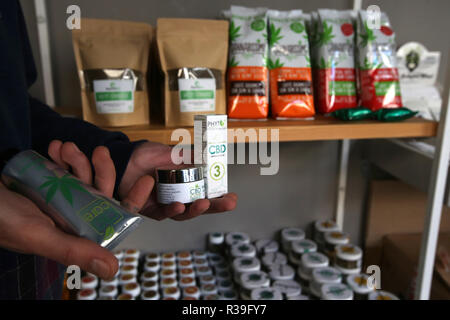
column 100, row 268
column 76, row 147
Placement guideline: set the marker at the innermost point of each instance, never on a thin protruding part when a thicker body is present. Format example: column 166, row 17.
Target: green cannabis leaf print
column 64, row 184
column 108, row 233
column 234, row 31
column 367, row 37
column 325, row 64
column 274, row 64
column 233, row 62
column 274, row 35
column 369, row 65
column 326, row 35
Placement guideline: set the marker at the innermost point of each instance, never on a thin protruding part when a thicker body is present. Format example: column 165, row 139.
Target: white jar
column 243, row 250
column 203, row 271
column 108, row 291
column 266, row 294
column 152, row 257
column 149, row 286
column 125, row 296
column 149, row 276
column 118, row 254
column 151, row 266
column 133, row 289
column 264, row 246
column 184, row 255
column 215, row 260
column 333, row 239
column 130, row 261
column 197, row 254
column 133, row 253
column 289, row 288
column 224, row 285
column 180, row 185
column 127, row 278
column 228, row 295
column 184, row 264
column 241, row 265
column 311, row 261
column 321, row 227
column 128, row 269
column 200, row 263
column 324, row 275
column 231, row 237
column 168, row 273
column 193, row 292
column 290, row 234
column 187, row 282
column 172, row 292
column 273, row 258
column 89, row 282
column 168, row 256
column 169, row 282
column 86, row 294
column 207, row 280
column 113, row 282
column 208, row 289
column 186, row 272
column 382, row 295
column 348, row 258
column 281, row 272
column 336, row 291
column 150, row 295
column 360, row 285
column 298, row 248
column 253, row 280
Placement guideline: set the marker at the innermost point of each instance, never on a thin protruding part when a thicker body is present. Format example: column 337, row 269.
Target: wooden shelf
column 321, row 128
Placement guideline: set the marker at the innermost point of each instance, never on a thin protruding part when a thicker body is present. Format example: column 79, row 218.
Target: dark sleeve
column 48, row 125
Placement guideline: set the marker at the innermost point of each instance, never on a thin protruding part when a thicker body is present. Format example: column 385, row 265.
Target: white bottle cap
column 382, row 295
column 191, row 292
column 152, row 257
column 336, row 291
column 168, row 256
column 337, row 237
column 208, row 289
column 228, row 295
column 204, row 271
column 246, row 264
column 89, row 282
column 185, row 264
column 224, row 285
column 125, row 296
column 199, row 254
column 281, row 272
column 274, row 258
column 172, row 292
column 151, row 266
column 303, row 246
column 326, row 226
column 132, row 288
column 348, row 252
column 130, row 261
column 256, row 279
column 264, row 246
column 150, row 295
column 108, row 291
column 314, row 260
column 168, row 273
column 169, row 282
column 236, row 236
column 288, row 288
column 168, row 265
column 216, row 238
column 186, row 272
column 128, row 269
column 348, row 271
column 292, row 234
column 184, row 255
column 149, row 286
column 323, row 275
column 266, row 294
column 243, row 250
column 149, row 276
column 87, row 294
column 207, row 280
column 187, row 282
column 127, row 278
column 134, row 253
column 360, row 283
column 200, row 263
column 113, row 282
column 118, row 254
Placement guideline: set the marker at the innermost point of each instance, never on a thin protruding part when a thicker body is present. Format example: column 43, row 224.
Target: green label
column 100, row 215
column 342, row 88
column 196, row 94
column 112, row 96
column 382, row 88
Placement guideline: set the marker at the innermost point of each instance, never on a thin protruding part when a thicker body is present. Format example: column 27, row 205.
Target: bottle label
column 181, row 192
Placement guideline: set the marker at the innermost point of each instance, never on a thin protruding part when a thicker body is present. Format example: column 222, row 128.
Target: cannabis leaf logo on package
column 64, row 184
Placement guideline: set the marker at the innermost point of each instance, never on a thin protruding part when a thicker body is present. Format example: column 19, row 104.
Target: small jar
column 113, row 282
column 118, row 254
column 168, row 282
column 200, row 254
column 193, row 292
column 282, row 272
column 273, row 258
column 224, row 285
column 168, row 265
column 130, row 261
column 127, row 278
column 133, row 289
column 333, row 239
column 215, row 260
column 150, row 295
column 133, row 253
column 228, row 295
column 128, row 269
column 253, row 280
column 382, row 295
column 243, row 250
column 151, row 266
column 183, row 185
column 87, row 294
column 183, row 264
column 288, row 288
column 207, row 280
column 320, row 228
column 290, row 234
column 149, row 276
column 168, row 274
column 208, row 289
column 298, row 248
column 168, row 256
column 149, row 286
column 201, row 263
column 360, row 286
column 203, row 271
column 89, row 282
column 108, row 291
column 172, row 292
column 264, row 246
column 348, row 258
column 186, row 272
column 266, row 294
column 125, row 296
column 152, row 257
column 241, row 265
column 221, row 267
column 234, row 237
column 212, row 297
column 312, row 260
column 321, row 276
column 216, row 242
column 336, row 291
column 223, row 275
column 187, row 282
column 184, row 255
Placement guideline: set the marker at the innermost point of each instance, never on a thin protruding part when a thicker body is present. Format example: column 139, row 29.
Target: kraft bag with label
column 112, row 61
column 193, row 58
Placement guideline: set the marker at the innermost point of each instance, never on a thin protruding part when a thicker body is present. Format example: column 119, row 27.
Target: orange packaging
column 291, row 93
column 247, row 72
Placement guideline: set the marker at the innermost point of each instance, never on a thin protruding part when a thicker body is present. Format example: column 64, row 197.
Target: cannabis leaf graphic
column 274, row 64
column 234, row 31
column 108, row 233
column 274, row 34
column 233, row 62
column 369, row 65
column 64, row 184
column 325, row 64
column 326, row 35
column 367, row 36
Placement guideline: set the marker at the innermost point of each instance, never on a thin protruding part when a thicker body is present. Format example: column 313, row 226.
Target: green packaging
column 393, row 115
column 353, row 114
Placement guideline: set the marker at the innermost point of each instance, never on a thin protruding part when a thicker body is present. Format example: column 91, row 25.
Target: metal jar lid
column 182, row 175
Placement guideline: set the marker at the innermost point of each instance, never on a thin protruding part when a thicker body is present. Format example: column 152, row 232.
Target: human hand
column 145, row 159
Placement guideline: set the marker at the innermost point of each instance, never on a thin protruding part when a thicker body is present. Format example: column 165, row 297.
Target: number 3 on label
column 217, row 171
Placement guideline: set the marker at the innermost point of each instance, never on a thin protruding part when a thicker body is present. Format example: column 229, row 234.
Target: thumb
column 139, row 194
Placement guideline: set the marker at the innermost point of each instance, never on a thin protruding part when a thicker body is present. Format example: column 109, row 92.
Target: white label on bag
column 181, row 192
column 197, row 95
column 114, row 96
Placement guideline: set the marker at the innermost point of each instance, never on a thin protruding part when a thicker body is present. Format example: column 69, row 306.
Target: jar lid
column 127, row 278
column 108, row 291
column 151, row 266
column 382, row 295
column 186, row 272
column 274, row 258
column 131, row 261
column 185, row 264
column 168, row 273
column 326, row 275
column 152, row 257
column 292, row 234
column 132, row 253
column 245, row 264
column 209, row 279
column 243, row 250
column 112, row 282
column 150, row 295
column 182, row 175
column 216, row 259
column 184, row 255
column 303, row 246
column 149, row 276
column 125, row 296
column 128, row 269
column 168, row 256
column 132, row 288
column 168, row 265
column 187, row 282
column 149, row 285
column 359, row 283
column 348, row 252
column 172, row 292
column 236, row 236
column 252, row 280
column 289, row 288
column 336, row 291
column 337, row 237
column 266, row 246
column 89, row 282
column 266, row 294
column 204, row 271
column 216, row 237
column 168, row 282
column 348, row 271
column 326, row 225
column 191, row 292
column 200, row 254
column 86, row 294
column 281, row 272
column 314, row 260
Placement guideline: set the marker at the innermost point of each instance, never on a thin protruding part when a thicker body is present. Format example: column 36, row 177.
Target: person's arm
column 48, row 125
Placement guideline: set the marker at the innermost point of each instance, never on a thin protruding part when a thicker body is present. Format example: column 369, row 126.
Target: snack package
column 193, row 58
column 112, row 61
column 291, row 93
column 334, row 69
column 248, row 87
column 377, row 70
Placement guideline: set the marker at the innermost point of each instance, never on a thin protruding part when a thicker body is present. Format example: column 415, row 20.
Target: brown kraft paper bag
column 112, row 62
column 193, row 57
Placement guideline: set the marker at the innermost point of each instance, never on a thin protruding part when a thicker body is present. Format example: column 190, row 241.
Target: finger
column 105, row 172
column 54, row 151
column 54, row 244
column 165, row 211
column 79, row 163
column 195, row 209
column 226, row 203
column 139, row 194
